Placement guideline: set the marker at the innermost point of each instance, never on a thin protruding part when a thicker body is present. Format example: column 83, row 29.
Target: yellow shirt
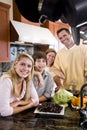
column 73, row 64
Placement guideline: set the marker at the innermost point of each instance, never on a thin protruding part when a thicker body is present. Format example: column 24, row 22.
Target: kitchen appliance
column 83, row 111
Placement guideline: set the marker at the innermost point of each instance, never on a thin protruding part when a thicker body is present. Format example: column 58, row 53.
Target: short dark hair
column 39, row 55
column 66, row 29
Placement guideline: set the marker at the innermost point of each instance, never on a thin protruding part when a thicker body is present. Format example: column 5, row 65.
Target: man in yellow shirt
column 71, row 61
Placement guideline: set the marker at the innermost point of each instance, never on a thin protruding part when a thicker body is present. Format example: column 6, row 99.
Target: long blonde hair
column 14, row 77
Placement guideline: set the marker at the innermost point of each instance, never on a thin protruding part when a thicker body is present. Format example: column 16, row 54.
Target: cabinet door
column 4, row 33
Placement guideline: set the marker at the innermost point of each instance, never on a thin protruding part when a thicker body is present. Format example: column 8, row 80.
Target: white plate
column 50, row 113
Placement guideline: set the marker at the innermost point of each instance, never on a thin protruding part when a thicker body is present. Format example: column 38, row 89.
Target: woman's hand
column 19, row 103
column 19, row 106
column 15, row 104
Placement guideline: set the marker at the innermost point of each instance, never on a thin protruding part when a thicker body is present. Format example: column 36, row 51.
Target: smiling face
column 23, row 67
column 40, row 64
column 64, row 37
column 50, row 58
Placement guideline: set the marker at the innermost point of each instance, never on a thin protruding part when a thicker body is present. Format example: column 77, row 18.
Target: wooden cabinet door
column 4, row 33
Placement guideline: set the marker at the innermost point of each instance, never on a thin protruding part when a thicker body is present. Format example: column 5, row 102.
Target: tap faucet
column 81, row 94
column 83, row 111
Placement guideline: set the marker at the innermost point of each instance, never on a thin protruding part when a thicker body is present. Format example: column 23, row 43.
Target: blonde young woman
column 17, row 92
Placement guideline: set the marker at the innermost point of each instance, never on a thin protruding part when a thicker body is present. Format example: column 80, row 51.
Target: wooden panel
column 13, row 34
column 24, row 20
column 4, row 33
column 52, row 27
column 41, row 47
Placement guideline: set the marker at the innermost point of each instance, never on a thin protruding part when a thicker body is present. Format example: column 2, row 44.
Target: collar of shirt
column 70, row 47
column 45, row 73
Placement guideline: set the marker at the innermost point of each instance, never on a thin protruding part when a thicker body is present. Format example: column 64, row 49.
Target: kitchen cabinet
column 4, row 33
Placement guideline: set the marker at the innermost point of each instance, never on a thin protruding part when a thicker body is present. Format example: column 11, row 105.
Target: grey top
column 47, row 88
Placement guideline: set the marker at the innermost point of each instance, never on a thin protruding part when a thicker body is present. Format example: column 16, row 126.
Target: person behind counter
column 45, row 91
column 17, row 92
column 71, row 61
column 50, row 54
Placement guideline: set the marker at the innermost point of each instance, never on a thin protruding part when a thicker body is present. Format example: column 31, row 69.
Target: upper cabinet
column 4, row 33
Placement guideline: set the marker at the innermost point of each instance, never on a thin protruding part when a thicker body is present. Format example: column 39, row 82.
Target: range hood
column 32, row 34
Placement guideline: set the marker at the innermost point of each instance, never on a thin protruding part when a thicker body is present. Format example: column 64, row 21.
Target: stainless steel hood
column 33, row 34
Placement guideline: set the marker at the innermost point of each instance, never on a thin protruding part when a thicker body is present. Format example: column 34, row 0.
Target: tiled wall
column 5, row 67
column 14, row 51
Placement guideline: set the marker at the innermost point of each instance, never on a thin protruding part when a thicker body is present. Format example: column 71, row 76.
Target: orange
column 73, row 101
column 76, row 101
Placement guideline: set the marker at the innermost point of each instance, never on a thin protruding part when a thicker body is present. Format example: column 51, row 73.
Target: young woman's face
column 40, row 64
column 50, row 58
column 23, row 67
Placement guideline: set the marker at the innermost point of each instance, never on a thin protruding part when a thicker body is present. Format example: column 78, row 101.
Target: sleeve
column 56, row 65
column 34, row 95
column 5, row 93
column 49, row 86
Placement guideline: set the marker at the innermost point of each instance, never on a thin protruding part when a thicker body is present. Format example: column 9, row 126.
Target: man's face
column 64, row 37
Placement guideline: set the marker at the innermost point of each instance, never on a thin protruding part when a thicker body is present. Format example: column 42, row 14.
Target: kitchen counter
column 28, row 121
